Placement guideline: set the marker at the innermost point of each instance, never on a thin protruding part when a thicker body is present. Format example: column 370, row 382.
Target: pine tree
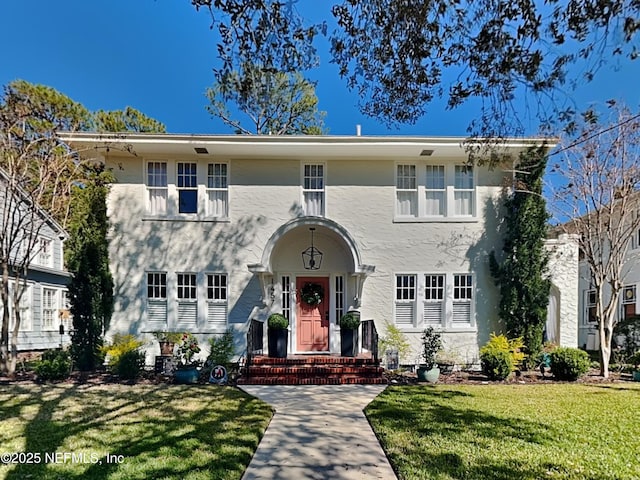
column 521, row 276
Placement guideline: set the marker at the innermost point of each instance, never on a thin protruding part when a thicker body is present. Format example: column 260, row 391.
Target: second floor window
column 45, row 252
column 435, row 191
column 463, row 190
column 313, row 190
column 157, row 188
column 217, row 190
column 187, row 188
column 406, row 191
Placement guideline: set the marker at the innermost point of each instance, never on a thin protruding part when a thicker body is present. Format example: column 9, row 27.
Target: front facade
column 208, row 233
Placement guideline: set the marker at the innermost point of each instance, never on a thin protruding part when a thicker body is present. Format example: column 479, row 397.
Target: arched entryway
column 336, row 280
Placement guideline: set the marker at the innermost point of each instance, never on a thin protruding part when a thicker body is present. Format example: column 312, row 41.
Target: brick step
column 295, row 380
column 313, row 360
column 315, row 370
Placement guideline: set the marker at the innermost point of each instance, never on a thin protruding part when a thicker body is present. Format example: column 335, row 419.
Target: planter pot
column 186, row 375
column 430, row 376
column 636, row 376
column 278, row 340
column 166, row 348
column 446, row 368
column 348, row 343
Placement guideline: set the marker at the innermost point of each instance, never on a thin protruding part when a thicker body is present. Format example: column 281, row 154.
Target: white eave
column 264, row 146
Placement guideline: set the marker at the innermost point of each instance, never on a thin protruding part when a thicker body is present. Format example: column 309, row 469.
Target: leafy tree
column 87, row 258
column 127, row 120
column 595, row 183
column 522, row 273
column 274, row 103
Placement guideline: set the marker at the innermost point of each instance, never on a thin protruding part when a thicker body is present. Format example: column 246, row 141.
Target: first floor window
column 157, row 299
column 49, row 309
column 24, row 306
column 462, row 297
column 628, row 302
column 217, row 299
column 433, row 299
column 591, row 316
column 405, row 299
column 286, row 296
column 339, row 297
column 187, row 295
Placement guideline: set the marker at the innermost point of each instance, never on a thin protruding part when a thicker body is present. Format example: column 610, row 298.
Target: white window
column 187, row 296
column 590, row 316
column 24, row 306
column 339, row 292
column 49, row 309
column 406, row 191
column 156, row 300
column 463, row 190
column 434, row 299
column 286, row 296
column 64, row 313
column 45, row 252
column 157, row 188
column 217, row 299
column 405, row 300
column 462, row 298
column 313, row 189
column 187, row 188
column 217, row 190
column 435, row 191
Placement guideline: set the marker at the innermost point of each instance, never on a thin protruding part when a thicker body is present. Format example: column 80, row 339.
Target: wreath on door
column 312, row 294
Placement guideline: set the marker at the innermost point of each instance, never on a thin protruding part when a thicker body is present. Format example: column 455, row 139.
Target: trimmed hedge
column 496, row 364
column 54, row 365
column 569, row 363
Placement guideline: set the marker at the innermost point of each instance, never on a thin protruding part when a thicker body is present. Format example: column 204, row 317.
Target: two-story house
column 43, row 305
column 210, row 232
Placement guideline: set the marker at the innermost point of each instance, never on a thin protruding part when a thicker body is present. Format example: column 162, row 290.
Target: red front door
column 312, row 321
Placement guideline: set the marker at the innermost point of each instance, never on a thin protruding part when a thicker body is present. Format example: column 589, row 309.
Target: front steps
column 312, row 370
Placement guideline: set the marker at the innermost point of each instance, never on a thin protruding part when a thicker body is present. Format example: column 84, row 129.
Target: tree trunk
column 4, row 331
column 606, row 336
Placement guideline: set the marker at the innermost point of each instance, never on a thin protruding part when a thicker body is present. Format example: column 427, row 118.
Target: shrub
column 349, row 321
column 125, row 358
column 54, row 365
column 221, row 349
column 496, row 364
column 277, row 321
column 569, row 363
column 394, row 339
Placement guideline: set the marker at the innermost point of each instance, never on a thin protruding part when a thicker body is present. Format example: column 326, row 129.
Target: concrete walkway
column 318, row 432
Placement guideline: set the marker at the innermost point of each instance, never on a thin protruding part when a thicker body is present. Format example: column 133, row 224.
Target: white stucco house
column 43, row 305
column 208, row 232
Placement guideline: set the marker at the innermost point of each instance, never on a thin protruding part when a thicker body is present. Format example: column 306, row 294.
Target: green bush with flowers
column 186, row 350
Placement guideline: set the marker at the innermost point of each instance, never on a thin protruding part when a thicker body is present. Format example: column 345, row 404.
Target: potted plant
column 187, row 367
column 278, row 335
column 349, row 324
column 167, row 341
column 431, row 345
column 446, row 361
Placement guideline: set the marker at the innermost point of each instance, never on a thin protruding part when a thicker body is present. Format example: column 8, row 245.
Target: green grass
column 161, row 431
column 506, row 432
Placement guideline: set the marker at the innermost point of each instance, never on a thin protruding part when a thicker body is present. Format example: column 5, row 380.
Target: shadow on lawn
column 160, row 431
column 396, row 419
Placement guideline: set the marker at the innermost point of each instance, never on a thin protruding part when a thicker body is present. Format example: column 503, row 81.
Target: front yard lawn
column 506, row 432
column 148, row 431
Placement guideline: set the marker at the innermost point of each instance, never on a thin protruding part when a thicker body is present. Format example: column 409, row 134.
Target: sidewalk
column 318, row 432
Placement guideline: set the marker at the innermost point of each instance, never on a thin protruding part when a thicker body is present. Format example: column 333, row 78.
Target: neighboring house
column 208, row 232
column 44, row 306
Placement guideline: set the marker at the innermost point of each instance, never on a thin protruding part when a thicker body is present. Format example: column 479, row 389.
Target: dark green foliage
column 127, row 120
column 496, row 364
column 129, row 364
column 87, row 258
column 431, row 344
column 277, row 321
column 629, row 328
column 54, row 365
column 521, row 274
column 349, row 321
column 569, row 363
column 221, row 350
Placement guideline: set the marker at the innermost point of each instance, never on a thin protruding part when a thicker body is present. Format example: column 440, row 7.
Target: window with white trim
column 25, row 307
column 65, row 311
column 462, row 298
column 156, row 300
column 187, row 188
column 187, row 299
column 434, row 299
column 463, row 191
column 406, row 191
column 217, row 190
column 217, row 299
column 405, row 300
column 628, row 302
column 313, row 189
column 339, row 297
column 157, row 188
column 286, row 296
column 590, row 302
column 45, row 252
column 435, row 191
column 49, row 308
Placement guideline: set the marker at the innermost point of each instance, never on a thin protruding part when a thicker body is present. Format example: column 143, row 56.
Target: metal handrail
column 370, row 338
column 254, row 342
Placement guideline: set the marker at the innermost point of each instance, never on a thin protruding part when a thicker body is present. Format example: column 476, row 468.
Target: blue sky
column 158, row 55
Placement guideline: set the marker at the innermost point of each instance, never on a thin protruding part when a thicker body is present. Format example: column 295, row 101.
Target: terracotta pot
column 166, row 348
